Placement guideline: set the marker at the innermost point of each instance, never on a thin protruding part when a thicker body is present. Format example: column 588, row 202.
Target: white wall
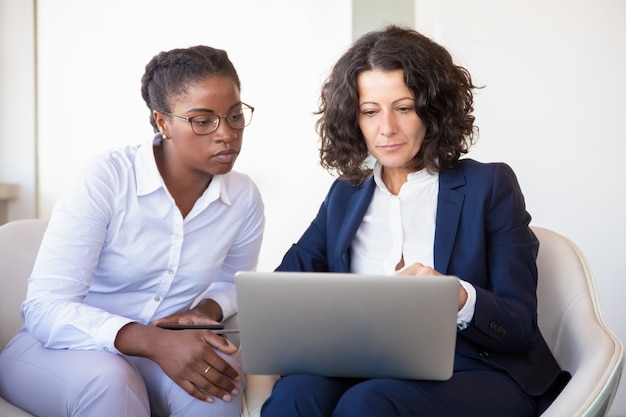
column 17, row 104
column 92, row 56
column 552, row 108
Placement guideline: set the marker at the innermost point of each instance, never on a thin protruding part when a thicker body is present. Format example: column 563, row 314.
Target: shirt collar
column 146, row 172
column 413, row 177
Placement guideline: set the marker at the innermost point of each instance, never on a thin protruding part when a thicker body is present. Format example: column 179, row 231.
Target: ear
column 161, row 121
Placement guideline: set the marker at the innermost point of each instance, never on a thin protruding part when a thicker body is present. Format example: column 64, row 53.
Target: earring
column 164, row 136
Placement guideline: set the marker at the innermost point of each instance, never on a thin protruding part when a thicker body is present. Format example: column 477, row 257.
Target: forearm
column 61, row 324
column 501, row 324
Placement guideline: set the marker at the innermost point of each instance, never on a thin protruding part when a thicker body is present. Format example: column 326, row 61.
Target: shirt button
column 171, row 271
column 157, row 298
column 106, row 349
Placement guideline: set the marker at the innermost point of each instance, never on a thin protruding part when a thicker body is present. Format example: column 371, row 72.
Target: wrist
column 136, row 339
column 211, row 309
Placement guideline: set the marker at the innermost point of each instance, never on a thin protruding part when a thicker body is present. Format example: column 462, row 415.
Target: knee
column 299, row 395
column 114, row 377
column 366, row 398
column 286, row 395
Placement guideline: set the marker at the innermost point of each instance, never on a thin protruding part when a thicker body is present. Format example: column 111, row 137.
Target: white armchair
column 19, row 244
column 571, row 322
column 569, row 318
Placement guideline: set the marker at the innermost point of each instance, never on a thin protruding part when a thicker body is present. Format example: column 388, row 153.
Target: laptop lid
column 347, row 325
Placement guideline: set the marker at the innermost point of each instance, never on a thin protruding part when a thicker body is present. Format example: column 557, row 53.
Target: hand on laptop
column 420, row 270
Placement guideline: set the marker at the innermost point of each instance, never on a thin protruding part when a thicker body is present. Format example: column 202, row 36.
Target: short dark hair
column 170, row 73
column 443, row 100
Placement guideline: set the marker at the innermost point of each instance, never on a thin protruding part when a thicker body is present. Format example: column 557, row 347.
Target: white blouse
column 118, row 250
column 403, row 225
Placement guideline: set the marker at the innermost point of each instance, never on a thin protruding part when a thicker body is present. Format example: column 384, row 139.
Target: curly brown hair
column 443, row 100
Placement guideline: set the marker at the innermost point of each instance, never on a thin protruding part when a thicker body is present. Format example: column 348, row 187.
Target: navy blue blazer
column 481, row 236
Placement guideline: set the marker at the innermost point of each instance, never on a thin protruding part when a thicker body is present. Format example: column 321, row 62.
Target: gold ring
column 207, row 369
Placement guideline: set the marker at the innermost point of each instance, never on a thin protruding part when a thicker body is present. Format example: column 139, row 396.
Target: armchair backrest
column 571, row 322
column 19, row 244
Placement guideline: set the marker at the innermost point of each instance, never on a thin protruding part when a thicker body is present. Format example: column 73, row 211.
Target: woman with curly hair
column 395, row 120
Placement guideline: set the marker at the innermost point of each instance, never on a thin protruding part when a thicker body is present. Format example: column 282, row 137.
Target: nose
column 224, row 132
column 388, row 124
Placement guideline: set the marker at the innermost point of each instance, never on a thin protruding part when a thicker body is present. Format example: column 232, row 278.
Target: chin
column 222, row 170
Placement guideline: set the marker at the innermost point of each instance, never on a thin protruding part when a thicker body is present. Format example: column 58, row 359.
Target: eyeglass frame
column 219, row 119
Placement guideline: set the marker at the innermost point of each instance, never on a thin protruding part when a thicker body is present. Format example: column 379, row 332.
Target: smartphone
column 191, row 326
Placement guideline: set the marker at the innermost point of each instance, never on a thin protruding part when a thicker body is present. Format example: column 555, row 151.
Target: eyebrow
column 393, row 102
column 203, row 110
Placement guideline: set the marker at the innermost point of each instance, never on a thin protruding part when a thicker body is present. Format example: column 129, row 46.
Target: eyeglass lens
column 204, row 124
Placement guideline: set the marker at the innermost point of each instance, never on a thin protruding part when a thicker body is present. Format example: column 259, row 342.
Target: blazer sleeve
column 325, row 245
column 505, row 275
column 309, row 253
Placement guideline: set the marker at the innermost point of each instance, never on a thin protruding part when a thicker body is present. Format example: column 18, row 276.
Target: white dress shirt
column 117, row 250
column 402, row 226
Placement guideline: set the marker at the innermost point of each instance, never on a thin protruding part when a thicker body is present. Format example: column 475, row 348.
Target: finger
column 219, row 342
column 194, row 391
column 215, row 384
column 411, row 270
column 221, row 372
column 425, row 271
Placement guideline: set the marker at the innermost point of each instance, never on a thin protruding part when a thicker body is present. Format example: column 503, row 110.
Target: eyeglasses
column 205, row 124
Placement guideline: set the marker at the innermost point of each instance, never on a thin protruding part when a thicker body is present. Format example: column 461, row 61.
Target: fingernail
column 235, row 391
column 226, row 397
column 209, row 399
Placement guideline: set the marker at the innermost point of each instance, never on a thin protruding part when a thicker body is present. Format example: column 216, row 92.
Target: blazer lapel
column 356, row 206
column 449, row 206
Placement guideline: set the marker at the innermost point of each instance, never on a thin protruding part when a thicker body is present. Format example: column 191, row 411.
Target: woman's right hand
column 420, row 270
column 188, row 357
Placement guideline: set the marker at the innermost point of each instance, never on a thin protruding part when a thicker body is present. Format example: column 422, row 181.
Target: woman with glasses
column 149, row 235
column 396, row 117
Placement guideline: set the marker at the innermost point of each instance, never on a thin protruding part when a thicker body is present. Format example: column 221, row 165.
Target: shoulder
column 493, row 184
column 241, row 186
column 471, row 172
column 343, row 187
column 108, row 167
column 345, row 190
column 236, row 180
column 344, row 196
column 120, row 160
column 473, row 167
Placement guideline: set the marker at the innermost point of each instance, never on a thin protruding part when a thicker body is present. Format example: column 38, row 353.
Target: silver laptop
column 347, row 325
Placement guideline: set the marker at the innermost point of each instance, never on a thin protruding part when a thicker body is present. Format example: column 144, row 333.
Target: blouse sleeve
column 54, row 311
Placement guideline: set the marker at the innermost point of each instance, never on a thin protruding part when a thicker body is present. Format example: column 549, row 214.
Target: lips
column 390, row 147
column 227, row 156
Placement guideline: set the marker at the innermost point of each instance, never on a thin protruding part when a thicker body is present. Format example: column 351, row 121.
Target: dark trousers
column 476, row 393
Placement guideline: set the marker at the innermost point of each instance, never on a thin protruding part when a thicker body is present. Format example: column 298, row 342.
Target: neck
column 185, row 186
column 394, row 179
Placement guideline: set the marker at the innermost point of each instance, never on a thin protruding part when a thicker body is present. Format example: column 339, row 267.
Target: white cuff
column 466, row 314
